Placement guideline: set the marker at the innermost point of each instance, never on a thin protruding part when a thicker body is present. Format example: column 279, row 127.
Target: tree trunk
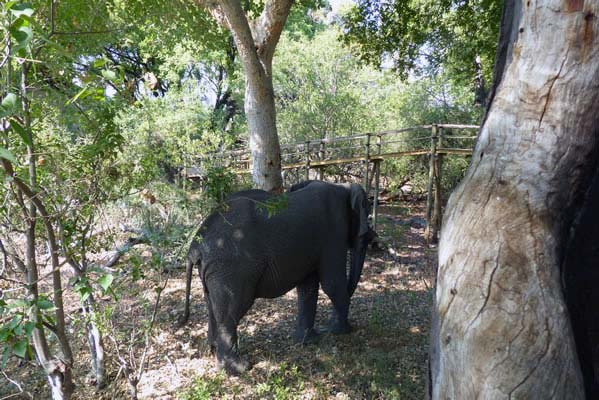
column 501, row 328
column 264, row 139
column 256, row 41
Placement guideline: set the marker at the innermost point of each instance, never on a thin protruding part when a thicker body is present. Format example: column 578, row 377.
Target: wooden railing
column 298, row 160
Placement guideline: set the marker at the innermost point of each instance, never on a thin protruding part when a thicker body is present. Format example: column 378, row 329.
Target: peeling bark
column 501, row 327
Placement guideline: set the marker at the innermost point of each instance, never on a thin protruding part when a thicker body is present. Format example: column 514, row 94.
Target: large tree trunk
column 256, row 41
column 501, row 328
column 264, row 138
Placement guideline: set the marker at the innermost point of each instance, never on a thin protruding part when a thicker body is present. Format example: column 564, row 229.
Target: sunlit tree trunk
column 256, row 40
column 501, row 326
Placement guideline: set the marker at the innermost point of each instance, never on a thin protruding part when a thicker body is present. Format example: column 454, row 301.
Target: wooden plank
column 455, row 151
column 401, row 154
column 460, row 137
column 457, row 126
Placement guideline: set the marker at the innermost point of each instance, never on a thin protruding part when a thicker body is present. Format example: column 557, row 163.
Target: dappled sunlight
column 383, row 356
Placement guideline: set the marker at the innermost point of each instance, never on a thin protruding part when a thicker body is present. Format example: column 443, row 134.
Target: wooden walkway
column 310, row 159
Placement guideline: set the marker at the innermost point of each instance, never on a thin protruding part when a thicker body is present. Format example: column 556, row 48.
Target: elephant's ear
column 359, row 205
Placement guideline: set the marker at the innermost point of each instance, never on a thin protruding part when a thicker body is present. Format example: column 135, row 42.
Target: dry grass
column 383, row 358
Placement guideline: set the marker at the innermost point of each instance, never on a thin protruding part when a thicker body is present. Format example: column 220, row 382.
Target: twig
column 21, row 391
column 149, row 330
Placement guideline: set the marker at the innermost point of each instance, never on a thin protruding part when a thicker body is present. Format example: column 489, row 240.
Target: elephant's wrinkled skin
column 243, row 254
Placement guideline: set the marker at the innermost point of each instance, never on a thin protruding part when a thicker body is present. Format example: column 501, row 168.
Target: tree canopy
column 423, row 37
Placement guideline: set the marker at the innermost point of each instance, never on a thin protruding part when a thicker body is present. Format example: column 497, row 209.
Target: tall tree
column 256, row 39
column 505, row 325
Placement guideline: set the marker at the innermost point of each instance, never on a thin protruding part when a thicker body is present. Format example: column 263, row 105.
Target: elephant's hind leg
column 307, row 297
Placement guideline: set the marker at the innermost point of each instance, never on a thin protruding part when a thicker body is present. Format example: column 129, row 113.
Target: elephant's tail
column 188, row 275
column 193, row 258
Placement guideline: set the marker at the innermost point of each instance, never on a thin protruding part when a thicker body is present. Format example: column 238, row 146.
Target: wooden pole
column 375, row 206
column 322, row 154
column 366, row 164
column 431, row 175
column 307, row 159
column 437, row 211
column 377, row 179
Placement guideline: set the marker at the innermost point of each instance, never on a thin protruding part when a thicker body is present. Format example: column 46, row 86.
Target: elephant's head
column 361, row 234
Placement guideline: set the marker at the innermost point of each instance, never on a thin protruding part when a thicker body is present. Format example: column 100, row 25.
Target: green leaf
column 8, row 5
column 29, row 328
column 20, row 348
column 18, row 303
column 82, row 287
column 15, row 321
column 105, row 281
column 108, row 74
column 5, row 334
column 19, row 10
column 7, row 155
column 14, row 124
column 99, row 63
column 22, row 32
column 85, row 295
column 5, row 355
column 10, row 101
column 45, row 304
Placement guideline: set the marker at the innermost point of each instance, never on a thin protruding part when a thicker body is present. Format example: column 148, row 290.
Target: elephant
column 243, row 253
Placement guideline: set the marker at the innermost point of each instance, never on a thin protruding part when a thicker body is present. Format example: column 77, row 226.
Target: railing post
column 307, row 160
column 437, row 211
column 366, row 164
column 431, row 175
column 322, row 155
column 377, row 179
column 375, row 206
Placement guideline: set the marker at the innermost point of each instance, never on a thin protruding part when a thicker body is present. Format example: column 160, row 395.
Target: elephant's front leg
column 228, row 307
column 227, row 353
column 334, row 283
column 307, row 298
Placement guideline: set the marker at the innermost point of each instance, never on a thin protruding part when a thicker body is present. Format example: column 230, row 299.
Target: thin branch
column 15, row 383
column 149, row 330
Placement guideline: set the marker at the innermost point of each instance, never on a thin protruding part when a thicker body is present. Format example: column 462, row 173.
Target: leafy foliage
column 424, row 36
column 322, row 92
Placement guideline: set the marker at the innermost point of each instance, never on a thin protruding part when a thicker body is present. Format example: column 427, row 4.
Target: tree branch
column 267, row 28
column 238, row 23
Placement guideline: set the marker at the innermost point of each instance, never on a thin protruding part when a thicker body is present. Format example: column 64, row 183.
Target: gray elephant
column 242, row 254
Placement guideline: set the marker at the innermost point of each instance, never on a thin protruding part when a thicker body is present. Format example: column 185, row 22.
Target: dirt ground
column 383, row 358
